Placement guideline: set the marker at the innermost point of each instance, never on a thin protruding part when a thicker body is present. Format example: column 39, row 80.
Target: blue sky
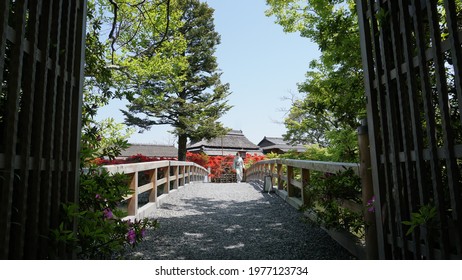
column 261, row 63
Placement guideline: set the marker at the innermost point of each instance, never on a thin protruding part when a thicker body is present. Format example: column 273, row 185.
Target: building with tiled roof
column 234, row 141
column 277, row 145
column 150, row 150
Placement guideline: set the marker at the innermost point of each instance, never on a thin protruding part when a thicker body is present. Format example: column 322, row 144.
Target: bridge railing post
column 305, row 186
column 167, row 179
column 133, row 201
column 153, row 180
column 290, row 178
column 271, row 173
column 279, row 170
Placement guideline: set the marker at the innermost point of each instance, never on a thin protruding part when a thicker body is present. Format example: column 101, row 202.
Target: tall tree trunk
column 182, row 141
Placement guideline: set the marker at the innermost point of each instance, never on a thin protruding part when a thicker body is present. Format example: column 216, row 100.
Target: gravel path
column 233, row 221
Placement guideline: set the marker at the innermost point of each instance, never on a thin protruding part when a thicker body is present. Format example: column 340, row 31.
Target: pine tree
column 190, row 96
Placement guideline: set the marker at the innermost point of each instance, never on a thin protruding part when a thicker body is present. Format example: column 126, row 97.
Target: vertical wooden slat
column 50, row 116
column 427, row 99
column 422, row 190
column 367, row 193
column 452, row 169
column 187, row 172
column 153, row 193
column 61, row 101
column 77, row 96
column 11, row 124
column 407, row 181
column 167, row 178
column 305, row 186
column 20, row 193
column 290, row 178
column 132, row 208
column 176, row 175
column 386, row 191
column 456, row 50
column 38, row 131
column 373, row 118
column 5, row 189
column 271, row 172
column 4, row 12
column 69, row 181
column 279, row 171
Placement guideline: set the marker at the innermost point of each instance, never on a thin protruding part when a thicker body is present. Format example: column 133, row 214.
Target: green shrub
column 101, row 232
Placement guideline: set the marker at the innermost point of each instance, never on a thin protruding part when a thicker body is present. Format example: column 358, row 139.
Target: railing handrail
column 146, row 166
column 323, row 166
column 183, row 173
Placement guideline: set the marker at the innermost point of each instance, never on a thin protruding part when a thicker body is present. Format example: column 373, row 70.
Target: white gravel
column 232, row 221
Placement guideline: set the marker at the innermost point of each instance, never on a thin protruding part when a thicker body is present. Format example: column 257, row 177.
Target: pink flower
column 370, row 204
column 107, row 213
column 97, row 196
column 131, row 236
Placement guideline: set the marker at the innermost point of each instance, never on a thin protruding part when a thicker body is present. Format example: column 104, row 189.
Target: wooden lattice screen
column 41, row 67
column 412, row 59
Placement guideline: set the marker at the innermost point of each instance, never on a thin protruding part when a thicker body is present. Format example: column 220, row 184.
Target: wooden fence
column 412, row 61
column 156, row 180
column 295, row 189
column 41, row 70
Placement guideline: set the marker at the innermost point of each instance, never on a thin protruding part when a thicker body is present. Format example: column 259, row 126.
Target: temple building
column 229, row 144
column 150, row 150
column 277, row 145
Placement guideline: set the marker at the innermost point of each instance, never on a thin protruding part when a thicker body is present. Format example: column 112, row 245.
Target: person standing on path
column 238, row 165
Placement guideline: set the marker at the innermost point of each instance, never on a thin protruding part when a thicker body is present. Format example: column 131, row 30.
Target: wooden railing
column 290, row 179
column 159, row 178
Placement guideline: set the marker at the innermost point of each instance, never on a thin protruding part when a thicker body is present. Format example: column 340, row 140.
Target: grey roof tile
column 150, row 150
column 234, row 139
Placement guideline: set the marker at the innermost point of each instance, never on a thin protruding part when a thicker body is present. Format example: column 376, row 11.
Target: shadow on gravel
column 265, row 228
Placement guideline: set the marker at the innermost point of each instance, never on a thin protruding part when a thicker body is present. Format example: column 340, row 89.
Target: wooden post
column 279, row 169
column 133, row 201
column 367, row 191
column 305, row 186
column 187, row 172
column 290, row 177
column 167, row 179
column 177, row 180
column 153, row 193
column 272, row 167
column 181, row 178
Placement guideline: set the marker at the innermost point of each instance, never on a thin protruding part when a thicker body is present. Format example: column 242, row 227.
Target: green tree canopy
column 333, row 100
column 179, row 85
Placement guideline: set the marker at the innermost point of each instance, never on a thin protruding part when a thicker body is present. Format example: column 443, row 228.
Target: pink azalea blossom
column 370, row 204
column 107, row 213
column 131, row 236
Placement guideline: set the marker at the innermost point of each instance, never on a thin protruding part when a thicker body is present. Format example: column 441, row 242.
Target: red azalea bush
column 201, row 159
column 251, row 159
column 220, row 165
column 131, row 159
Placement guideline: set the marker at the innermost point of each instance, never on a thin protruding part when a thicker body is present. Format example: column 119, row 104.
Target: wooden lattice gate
column 412, row 59
column 41, row 69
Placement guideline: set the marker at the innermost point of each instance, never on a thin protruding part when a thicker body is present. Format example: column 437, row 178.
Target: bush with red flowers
column 131, row 159
column 201, row 158
column 221, row 165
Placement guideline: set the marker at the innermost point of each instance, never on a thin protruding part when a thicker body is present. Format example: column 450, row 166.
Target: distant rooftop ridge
column 151, row 144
